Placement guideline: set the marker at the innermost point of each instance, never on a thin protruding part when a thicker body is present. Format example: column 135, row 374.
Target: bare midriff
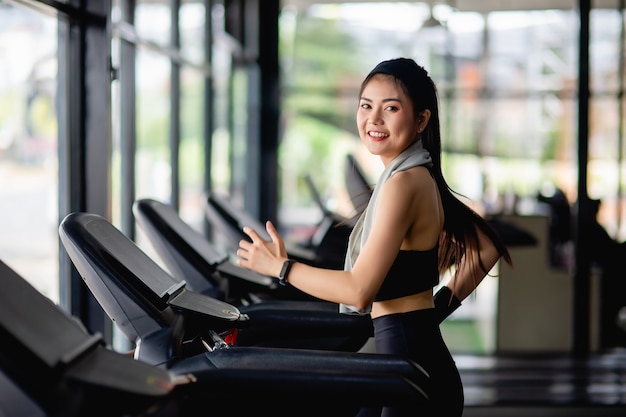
column 419, row 301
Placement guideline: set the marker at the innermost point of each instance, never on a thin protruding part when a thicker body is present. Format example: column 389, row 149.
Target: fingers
column 271, row 230
column 243, row 253
column 259, row 254
column 244, row 244
column 254, row 236
column 244, row 247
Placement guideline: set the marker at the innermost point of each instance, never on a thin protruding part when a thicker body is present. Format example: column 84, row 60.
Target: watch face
column 284, row 271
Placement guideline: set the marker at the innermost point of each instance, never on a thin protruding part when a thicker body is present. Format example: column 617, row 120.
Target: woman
column 413, row 229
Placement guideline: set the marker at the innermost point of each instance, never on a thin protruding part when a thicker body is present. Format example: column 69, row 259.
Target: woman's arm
column 356, row 287
column 268, row 257
column 460, row 285
column 470, row 273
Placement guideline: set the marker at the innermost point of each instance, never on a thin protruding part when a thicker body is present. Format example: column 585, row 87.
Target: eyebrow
column 385, row 100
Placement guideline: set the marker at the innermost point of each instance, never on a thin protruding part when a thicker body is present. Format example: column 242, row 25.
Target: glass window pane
column 221, row 165
column 153, row 170
column 153, row 21
column 192, row 147
column 192, row 23
column 28, row 146
column 606, row 118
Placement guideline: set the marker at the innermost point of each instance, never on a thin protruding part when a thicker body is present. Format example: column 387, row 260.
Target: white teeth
column 378, row 134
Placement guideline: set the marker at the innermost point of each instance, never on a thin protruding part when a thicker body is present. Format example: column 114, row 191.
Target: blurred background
column 107, row 102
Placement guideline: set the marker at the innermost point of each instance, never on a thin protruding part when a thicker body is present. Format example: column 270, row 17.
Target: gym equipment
column 312, row 325
column 187, row 332
column 357, row 185
column 50, row 365
column 50, row 362
column 189, row 256
column 326, row 248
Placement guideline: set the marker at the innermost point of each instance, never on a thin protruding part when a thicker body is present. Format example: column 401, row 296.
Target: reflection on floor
column 597, row 378
column 550, row 384
column 542, row 385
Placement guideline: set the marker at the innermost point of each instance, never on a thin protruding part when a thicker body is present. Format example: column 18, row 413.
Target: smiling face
column 385, row 118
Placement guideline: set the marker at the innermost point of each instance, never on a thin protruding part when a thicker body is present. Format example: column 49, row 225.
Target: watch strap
column 284, row 271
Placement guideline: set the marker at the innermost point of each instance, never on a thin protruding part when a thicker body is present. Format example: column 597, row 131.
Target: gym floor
column 537, row 384
column 547, row 384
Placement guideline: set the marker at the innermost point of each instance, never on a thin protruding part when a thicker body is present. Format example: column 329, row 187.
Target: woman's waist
column 419, row 301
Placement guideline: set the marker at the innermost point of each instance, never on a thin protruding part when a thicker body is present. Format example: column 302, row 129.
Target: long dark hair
column 461, row 221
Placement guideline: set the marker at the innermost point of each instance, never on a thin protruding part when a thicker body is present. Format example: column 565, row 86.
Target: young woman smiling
column 413, row 229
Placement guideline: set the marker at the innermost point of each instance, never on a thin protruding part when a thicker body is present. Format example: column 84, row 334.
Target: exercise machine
column 102, row 253
column 325, row 248
column 51, row 366
column 188, row 332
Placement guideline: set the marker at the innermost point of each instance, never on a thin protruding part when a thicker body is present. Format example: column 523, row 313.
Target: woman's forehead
column 384, row 85
column 384, row 81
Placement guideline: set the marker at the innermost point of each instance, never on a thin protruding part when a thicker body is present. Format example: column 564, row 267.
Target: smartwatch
column 284, row 271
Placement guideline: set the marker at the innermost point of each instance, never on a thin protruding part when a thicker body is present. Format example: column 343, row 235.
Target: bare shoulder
column 416, row 179
column 419, row 204
column 409, row 192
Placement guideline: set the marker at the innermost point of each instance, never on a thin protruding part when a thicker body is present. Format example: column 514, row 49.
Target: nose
column 376, row 118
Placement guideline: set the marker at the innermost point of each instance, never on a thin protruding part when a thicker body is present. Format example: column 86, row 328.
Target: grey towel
column 414, row 155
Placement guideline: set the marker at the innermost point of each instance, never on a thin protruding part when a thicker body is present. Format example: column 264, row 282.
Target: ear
column 422, row 120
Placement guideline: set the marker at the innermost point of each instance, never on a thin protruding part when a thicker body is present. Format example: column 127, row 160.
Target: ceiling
column 482, row 6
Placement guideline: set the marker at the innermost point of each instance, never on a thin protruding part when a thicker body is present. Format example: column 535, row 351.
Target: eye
column 391, row 108
column 365, row 106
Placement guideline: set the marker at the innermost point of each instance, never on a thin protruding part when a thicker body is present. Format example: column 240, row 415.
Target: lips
column 377, row 135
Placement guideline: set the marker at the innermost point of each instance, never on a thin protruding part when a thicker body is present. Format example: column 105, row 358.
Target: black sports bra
column 412, row 272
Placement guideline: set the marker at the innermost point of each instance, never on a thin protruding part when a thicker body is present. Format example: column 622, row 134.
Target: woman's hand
column 264, row 257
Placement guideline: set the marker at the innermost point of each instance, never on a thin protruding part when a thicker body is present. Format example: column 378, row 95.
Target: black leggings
column 416, row 335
